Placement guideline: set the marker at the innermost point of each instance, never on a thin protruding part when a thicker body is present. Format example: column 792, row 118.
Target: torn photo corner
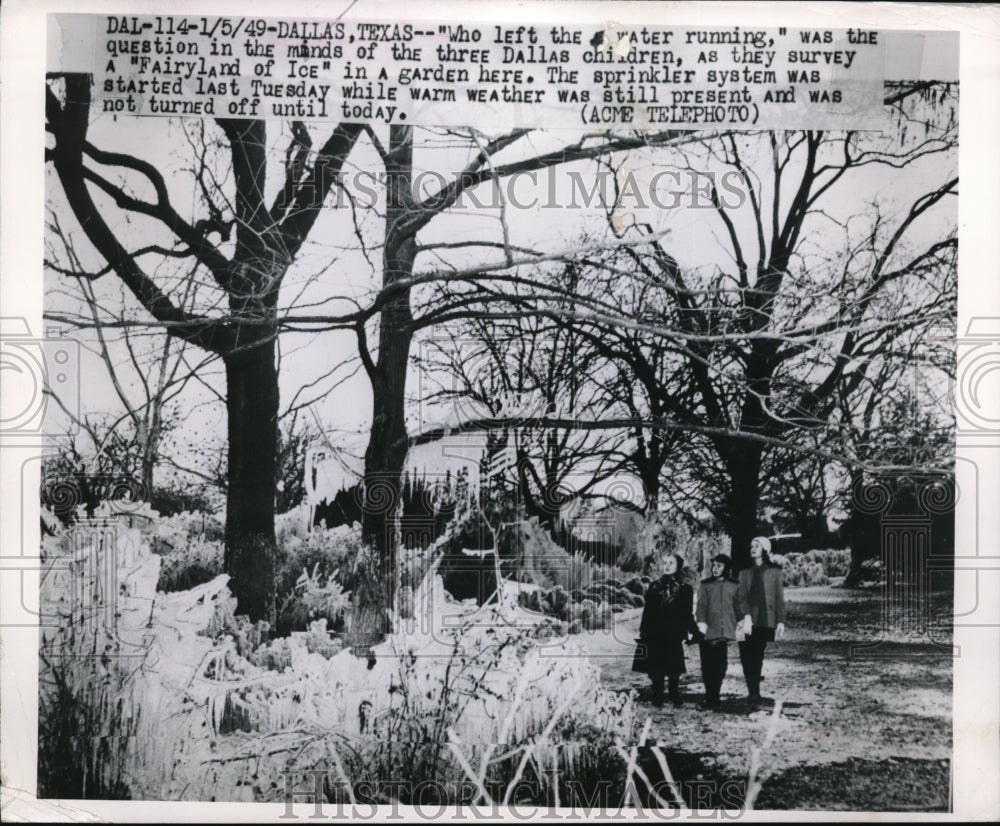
column 514, row 411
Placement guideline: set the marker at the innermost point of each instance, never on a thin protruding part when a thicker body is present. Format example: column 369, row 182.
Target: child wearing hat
column 762, row 589
column 666, row 621
column 720, row 604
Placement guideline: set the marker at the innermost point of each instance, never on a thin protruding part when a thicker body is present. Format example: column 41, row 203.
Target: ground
column 866, row 706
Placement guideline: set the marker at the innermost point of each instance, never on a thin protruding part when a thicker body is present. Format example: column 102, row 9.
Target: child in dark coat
column 720, row 604
column 666, row 620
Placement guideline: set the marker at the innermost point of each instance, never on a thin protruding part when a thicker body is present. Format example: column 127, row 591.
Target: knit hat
column 765, row 543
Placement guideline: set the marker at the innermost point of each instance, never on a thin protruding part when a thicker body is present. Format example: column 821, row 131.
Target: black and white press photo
column 533, row 411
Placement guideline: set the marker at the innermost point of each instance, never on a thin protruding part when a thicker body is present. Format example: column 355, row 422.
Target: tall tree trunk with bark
column 377, row 574
column 252, row 406
column 858, row 530
column 744, row 498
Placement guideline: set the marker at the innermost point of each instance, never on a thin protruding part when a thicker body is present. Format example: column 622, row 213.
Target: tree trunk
column 150, row 450
column 856, row 533
column 153, row 427
column 377, row 574
column 252, row 405
column 744, row 498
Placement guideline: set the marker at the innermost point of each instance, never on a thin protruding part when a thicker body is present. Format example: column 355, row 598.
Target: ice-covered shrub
column 327, row 551
column 806, row 573
column 836, row 562
column 213, row 709
column 662, row 535
column 573, row 572
column 274, row 655
column 484, row 691
column 89, row 707
column 315, row 596
column 171, row 532
column 174, row 499
column 557, row 600
column 597, row 585
column 313, row 576
column 815, row 567
column 581, row 610
column 538, row 556
column 192, row 548
column 588, row 614
column 505, row 690
column 192, row 562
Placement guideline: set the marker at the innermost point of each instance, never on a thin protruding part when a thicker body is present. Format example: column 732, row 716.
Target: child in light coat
column 720, row 606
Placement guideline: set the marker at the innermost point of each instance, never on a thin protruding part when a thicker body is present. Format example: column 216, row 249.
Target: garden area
column 527, row 697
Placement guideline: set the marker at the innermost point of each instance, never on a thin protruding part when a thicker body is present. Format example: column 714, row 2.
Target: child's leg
column 752, row 658
column 713, row 669
column 675, row 689
column 657, row 681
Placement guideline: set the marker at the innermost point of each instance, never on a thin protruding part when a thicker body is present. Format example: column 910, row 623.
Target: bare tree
column 749, row 356
column 533, row 366
column 780, row 328
column 103, row 189
column 146, row 368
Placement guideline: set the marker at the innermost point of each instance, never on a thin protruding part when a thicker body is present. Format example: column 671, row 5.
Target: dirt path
column 866, row 715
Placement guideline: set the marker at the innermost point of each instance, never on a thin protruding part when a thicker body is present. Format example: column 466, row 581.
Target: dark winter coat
column 667, row 618
column 720, row 606
column 772, row 610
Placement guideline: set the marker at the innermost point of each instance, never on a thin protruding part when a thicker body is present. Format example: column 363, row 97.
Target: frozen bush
column 571, row 573
column 194, row 562
column 530, row 600
column 219, row 702
column 550, row 628
column 315, row 596
column 274, row 655
column 815, row 575
column 332, row 549
column 485, row 686
column 319, row 640
column 813, row 567
column 172, row 532
column 588, row 614
column 558, row 599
